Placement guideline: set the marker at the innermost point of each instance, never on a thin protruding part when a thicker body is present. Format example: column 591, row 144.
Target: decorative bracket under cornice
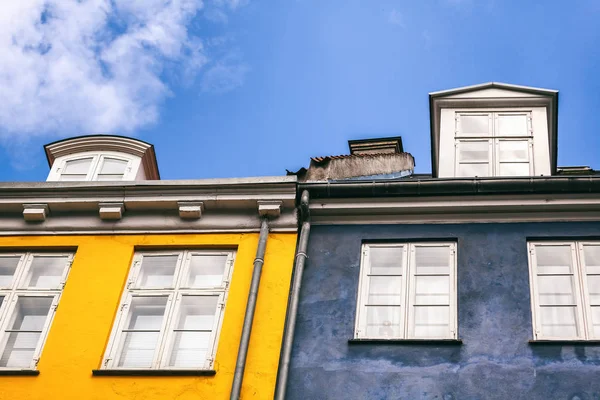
column 269, row 208
column 190, row 209
column 35, row 212
column 111, row 211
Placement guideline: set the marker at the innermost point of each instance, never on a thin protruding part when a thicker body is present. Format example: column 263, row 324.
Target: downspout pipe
column 290, row 324
column 240, row 365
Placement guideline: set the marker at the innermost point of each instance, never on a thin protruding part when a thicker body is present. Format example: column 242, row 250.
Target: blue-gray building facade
column 494, row 359
column 495, row 293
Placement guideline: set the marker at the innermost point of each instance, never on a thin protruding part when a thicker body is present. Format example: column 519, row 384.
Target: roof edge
column 499, row 85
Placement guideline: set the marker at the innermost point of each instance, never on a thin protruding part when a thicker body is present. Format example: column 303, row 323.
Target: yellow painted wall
column 84, row 318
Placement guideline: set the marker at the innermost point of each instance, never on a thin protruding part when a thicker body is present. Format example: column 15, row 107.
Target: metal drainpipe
column 240, row 365
column 290, row 323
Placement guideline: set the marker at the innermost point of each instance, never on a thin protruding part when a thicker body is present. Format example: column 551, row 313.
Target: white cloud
column 78, row 67
column 395, row 18
column 224, row 76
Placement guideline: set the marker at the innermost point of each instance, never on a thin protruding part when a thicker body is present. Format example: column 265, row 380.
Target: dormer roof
column 120, row 144
column 493, row 95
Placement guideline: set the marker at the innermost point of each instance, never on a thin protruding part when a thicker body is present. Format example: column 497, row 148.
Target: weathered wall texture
column 342, row 167
column 85, row 314
column 494, row 316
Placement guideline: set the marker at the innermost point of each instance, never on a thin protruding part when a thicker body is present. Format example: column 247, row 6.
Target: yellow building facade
column 105, row 226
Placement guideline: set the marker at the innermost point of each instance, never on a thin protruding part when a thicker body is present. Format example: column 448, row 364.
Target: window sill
column 564, row 342
column 426, row 342
column 153, row 372
column 19, row 372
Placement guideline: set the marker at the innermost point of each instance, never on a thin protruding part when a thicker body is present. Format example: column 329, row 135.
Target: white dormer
column 493, row 129
column 101, row 158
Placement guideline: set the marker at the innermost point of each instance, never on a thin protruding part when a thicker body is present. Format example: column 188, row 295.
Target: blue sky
column 250, row 88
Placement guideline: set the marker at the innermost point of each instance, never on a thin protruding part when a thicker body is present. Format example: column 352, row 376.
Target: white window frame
column 493, row 139
column 582, row 295
column 408, row 284
column 174, row 294
column 133, row 164
column 16, row 290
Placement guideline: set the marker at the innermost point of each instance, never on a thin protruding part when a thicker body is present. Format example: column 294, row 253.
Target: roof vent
column 390, row 145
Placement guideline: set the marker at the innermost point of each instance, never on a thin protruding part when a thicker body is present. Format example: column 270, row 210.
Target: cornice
column 456, row 209
column 223, row 205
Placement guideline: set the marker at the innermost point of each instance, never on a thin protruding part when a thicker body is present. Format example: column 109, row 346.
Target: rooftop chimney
column 391, row 145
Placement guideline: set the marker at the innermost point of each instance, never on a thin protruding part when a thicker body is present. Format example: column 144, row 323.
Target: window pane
column 157, row 271
column 8, row 266
column 386, row 260
column 113, row 166
column 45, row 272
column 189, row 349
column 474, row 151
column 512, row 125
column 206, row 271
column 475, row 125
column 197, row 312
column 19, row 350
column 30, row 313
column 513, row 150
column 514, row 169
column 432, row 260
column 559, row 322
column 553, row 259
column 80, row 166
column 384, row 322
column 385, row 290
column 147, row 313
column 591, row 255
column 138, row 349
column 593, row 283
column 471, row 170
column 596, row 321
column 556, row 289
column 431, row 321
column 432, row 290
column 193, row 328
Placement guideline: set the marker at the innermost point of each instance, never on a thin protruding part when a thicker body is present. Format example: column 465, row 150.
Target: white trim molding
column 218, row 205
column 456, row 209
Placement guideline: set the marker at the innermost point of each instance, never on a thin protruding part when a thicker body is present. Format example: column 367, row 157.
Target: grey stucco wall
column 495, row 360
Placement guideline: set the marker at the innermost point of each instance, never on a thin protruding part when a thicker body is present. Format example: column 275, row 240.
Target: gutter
column 290, row 323
column 455, row 186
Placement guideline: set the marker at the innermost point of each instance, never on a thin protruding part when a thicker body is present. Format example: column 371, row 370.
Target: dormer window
column 101, row 158
column 76, row 170
column 493, row 130
column 493, row 144
column 94, row 167
column 112, row 169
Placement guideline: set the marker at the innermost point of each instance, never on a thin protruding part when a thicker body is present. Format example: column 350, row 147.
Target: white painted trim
column 408, row 289
column 456, row 209
column 582, row 296
column 18, row 291
column 131, row 170
column 174, row 293
column 487, row 85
